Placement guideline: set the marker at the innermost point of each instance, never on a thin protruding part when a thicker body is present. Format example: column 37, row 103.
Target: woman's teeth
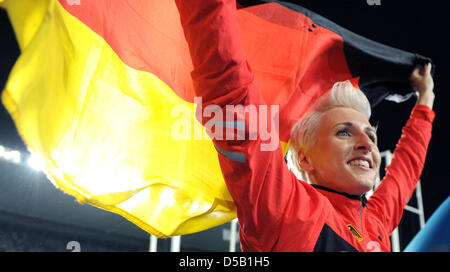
column 360, row 163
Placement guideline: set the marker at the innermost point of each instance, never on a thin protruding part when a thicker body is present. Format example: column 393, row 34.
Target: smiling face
column 345, row 156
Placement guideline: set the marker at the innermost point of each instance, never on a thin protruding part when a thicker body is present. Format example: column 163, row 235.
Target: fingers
column 421, row 79
column 421, row 70
column 427, row 68
column 416, row 71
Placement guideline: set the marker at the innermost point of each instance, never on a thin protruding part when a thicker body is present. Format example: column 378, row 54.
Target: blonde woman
column 334, row 144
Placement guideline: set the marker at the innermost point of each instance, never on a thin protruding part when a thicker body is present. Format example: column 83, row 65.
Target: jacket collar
column 361, row 198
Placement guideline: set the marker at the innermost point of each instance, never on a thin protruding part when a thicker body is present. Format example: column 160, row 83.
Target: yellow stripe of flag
column 105, row 130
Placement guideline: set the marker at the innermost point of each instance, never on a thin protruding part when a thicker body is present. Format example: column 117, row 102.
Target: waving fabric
column 102, row 93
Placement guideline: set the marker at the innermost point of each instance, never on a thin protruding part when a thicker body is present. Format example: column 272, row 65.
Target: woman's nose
column 364, row 143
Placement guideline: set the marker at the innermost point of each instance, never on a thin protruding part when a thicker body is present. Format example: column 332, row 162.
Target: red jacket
column 276, row 211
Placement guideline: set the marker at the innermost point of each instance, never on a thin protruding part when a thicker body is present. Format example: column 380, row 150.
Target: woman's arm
column 402, row 175
column 220, row 68
column 256, row 175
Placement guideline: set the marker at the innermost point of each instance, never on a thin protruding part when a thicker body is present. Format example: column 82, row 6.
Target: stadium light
column 13, row 156
column 36, row 162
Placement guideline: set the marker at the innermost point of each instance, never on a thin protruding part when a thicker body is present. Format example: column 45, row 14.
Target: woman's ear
column 304, row 162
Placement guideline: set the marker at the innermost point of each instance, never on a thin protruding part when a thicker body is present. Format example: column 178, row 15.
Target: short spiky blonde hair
column 304, row 132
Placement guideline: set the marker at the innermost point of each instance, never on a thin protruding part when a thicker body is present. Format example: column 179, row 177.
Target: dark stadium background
column 35, row 216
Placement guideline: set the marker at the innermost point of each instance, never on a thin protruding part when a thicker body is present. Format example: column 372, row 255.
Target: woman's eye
column 343, row 132
column 372, row 138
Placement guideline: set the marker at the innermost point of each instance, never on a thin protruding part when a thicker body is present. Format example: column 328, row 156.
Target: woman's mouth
column 361, row 163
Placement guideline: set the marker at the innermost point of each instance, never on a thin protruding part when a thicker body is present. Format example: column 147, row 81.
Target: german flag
column 101, row 87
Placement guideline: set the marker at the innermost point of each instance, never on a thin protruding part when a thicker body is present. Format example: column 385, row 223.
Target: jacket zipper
column 363, row 204
column 360, row 215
